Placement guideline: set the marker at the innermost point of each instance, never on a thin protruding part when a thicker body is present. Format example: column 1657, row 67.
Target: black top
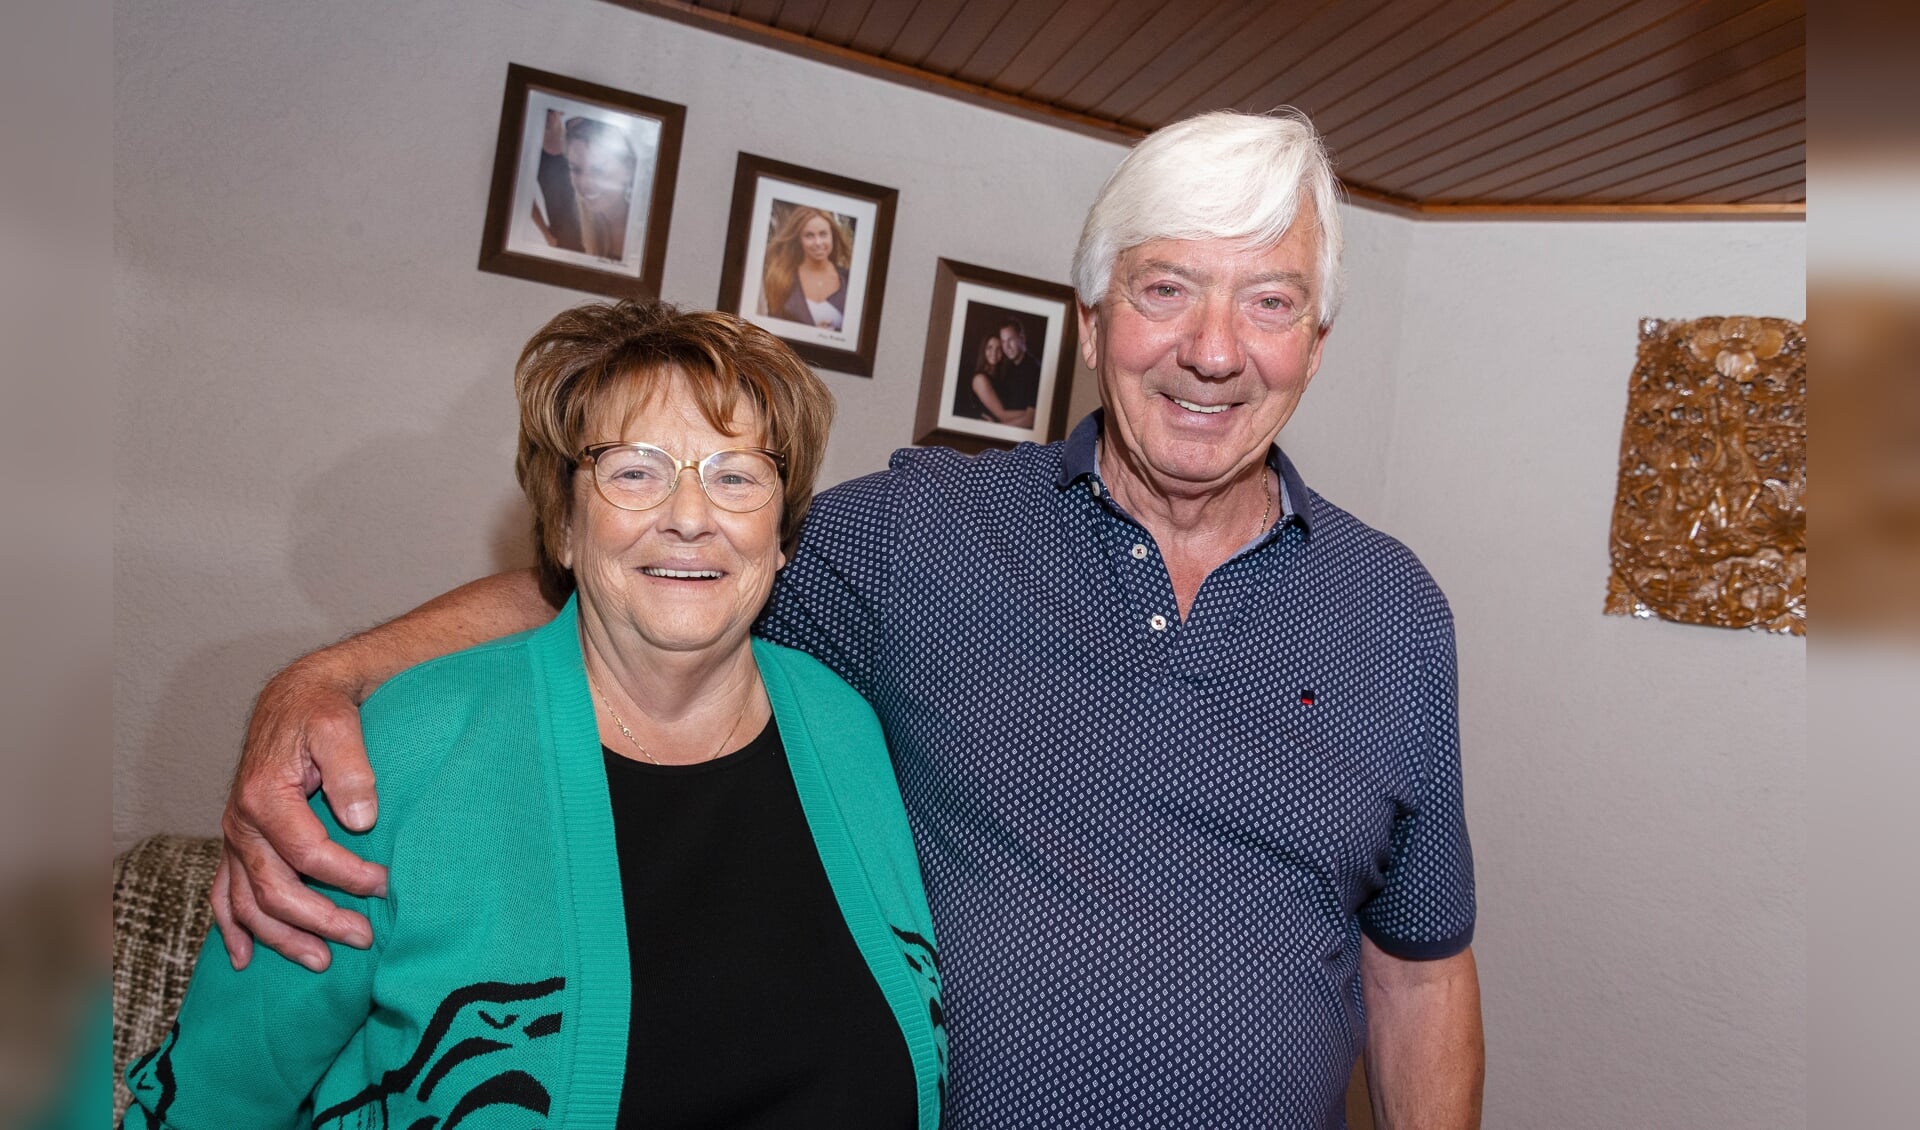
column 752, row 1007
column 556, row 190
column 1017, row 383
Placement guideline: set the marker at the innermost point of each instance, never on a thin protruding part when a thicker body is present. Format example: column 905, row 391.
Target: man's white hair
column 1220, row 175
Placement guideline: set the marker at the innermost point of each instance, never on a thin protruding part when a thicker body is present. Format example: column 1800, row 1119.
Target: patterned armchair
column 160, row 918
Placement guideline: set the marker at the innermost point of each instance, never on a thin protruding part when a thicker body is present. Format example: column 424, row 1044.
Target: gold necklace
column 628, row 734
column 1266, row 509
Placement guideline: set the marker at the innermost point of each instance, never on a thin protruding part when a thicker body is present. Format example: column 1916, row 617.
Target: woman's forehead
column 670, row 398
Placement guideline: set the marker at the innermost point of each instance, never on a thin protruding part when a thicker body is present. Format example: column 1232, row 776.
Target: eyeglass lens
column 640, row 477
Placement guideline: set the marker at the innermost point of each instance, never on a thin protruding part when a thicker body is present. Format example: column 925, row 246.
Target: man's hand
column 1426, row 1054
column 305, row 730
column 305, row 735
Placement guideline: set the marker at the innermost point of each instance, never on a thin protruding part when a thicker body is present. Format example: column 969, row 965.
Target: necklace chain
column 1266, row 508
column 644, row 752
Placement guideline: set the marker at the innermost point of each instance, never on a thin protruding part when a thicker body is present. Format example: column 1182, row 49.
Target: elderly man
column 1176, row 734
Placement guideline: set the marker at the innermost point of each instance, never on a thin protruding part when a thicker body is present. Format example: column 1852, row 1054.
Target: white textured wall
column 1634, row 788
column 316, row 419
column 315, row 429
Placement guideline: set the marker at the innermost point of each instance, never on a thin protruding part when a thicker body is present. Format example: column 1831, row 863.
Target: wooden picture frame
column 980, row 317
column 594, row 215
column 776, row 208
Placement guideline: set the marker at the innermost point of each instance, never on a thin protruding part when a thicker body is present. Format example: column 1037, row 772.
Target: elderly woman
column 808, row 258
column 645, row 869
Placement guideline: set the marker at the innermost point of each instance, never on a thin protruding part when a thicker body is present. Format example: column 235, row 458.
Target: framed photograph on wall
column 582, row 185
column 806, row 259
column 1000, row 359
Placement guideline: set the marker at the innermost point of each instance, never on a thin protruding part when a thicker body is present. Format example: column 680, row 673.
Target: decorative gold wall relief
column 1709, row 524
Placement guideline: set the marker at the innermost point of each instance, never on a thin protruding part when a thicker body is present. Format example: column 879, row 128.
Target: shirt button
column 1139, row 552
column 1157, row 622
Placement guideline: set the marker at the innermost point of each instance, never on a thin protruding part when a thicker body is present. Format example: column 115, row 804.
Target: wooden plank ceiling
column 1435, row 107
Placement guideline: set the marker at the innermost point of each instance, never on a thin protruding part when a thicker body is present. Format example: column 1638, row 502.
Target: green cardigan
column 499, row 974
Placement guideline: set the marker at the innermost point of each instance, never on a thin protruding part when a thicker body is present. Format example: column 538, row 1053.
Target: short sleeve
column 1426, row 908
column 830, row 599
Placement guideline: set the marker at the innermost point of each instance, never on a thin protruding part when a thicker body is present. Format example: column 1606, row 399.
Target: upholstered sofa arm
column 160, row 918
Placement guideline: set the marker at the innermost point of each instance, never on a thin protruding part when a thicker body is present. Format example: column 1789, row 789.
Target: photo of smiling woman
column 644, row 868
column 587, row 171
column 809, row 253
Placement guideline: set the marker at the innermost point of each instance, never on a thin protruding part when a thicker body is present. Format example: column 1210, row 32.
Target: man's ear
column 1319, row 344
column 1089, row 334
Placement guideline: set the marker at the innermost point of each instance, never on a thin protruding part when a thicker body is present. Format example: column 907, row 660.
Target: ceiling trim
column 1383, row 202
column 683, row 11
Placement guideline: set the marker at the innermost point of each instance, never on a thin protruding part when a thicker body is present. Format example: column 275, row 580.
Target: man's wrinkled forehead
column 1190, row 258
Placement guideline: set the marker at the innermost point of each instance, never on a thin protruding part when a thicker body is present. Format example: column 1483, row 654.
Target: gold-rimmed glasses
column 640, row 476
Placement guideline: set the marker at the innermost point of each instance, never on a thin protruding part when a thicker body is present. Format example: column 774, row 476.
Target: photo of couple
column 999, row 359
column 999, row 381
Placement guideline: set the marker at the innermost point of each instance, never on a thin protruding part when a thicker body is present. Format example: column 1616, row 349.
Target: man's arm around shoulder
column 1426, row 1053
column 305, row 735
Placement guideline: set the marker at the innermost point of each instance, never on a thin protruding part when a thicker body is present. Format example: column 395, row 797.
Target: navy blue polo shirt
column 1151, row 845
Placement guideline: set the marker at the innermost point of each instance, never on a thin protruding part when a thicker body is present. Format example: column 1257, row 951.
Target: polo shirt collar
column 1078, row 453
